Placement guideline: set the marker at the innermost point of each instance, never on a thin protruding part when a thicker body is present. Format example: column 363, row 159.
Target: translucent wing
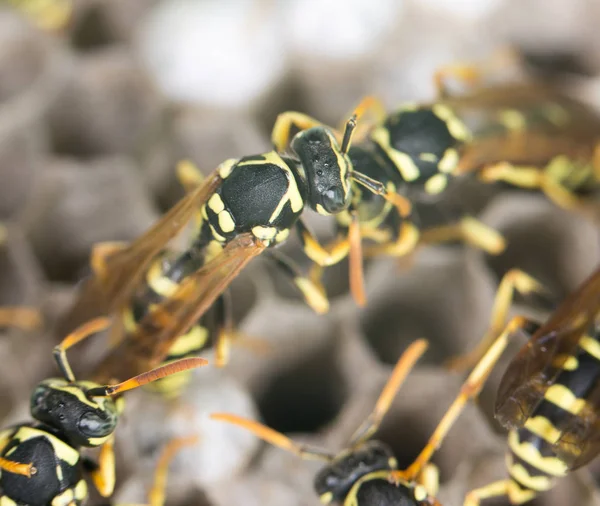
column 580, row 433
column 538, row 363
column 116, row 276
column 149, row 344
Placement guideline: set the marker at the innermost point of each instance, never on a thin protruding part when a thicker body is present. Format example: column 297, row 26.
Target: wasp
column 366, row 472
column 41, row 460
column 527, row 134
column 51, row 15
column 549, row 396
column 243, row 208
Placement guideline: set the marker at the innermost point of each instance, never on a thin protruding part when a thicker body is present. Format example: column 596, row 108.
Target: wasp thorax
column 65, row 406
column 326, row 169
column 336, row 479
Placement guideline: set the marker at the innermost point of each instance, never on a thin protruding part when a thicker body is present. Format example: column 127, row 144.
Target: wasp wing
column 148, row 345
column 116, row 277
column 541, row 359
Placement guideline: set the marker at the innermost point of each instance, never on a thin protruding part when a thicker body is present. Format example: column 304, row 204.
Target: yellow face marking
column 590, row 345
column 59, row 473
column 321, row 210
column 342, row 160
column 226, row 222
column 543, row 428
column 569, row 363
column 562, row 397
column 513, row 120
column 97, row 441
column 530, row 454
column 449, row 161
column 428, row 157
column 96, row 403
column 226, row 167
column 216, row 203
column 282, row 235
column 393, row 463
column 436, row 184
column 264, row 233
column 456, row 127
column 160, row 283
column 193, row 340
column 63, row 451
column 326, row 498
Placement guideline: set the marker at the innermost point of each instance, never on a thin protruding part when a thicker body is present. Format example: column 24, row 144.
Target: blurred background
column 94, row 114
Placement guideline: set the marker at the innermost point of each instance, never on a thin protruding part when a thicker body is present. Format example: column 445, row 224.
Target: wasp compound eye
column 97, row 424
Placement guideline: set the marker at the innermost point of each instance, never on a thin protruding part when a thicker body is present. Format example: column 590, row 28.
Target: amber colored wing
column 150, row 343
column 113, row 283
column 539, row 362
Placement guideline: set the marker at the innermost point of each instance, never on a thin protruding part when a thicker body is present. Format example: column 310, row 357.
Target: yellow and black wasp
column 41, row 460
column 527, row 134
column 549, row 396
column 243, row 208
column 366, row 472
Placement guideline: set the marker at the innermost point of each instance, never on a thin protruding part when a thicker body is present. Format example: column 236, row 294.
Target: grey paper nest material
column 88, row 144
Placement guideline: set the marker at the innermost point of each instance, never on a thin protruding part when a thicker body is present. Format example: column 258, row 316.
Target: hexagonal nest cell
column 93, row 118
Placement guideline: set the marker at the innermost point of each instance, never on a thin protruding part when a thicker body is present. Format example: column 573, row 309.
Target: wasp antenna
column 273, row 437
column 148, row 377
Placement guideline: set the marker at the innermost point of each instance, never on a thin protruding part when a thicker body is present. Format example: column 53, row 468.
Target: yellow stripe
column 404, row 163
column 542, row 427
column 530, row 454
column 590, row 345
column 192, row 341
column 455, row 126
column 517, row 495
column 568, row 363
column 129, row 321
column 62, row 449
column 562, row 397
column 537, row 483
column 160, row 283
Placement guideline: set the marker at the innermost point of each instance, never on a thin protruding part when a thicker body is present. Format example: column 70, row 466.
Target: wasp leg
column 189, row 175
column 9, row 466
column 314, row 293
column 156, row 496
column 349, row 244
column 471, row 74
column 100, row 253
column 405, row 364
column 499, row 489
column 103, row 476
column 513, row 280
column 227, row 334
column 20, row 317
column 408, row 240
column 429, row 478
column 470, row 389
column 468, row 230
column 534, row 178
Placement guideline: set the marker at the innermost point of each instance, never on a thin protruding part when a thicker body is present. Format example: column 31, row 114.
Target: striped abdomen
column 532, row 461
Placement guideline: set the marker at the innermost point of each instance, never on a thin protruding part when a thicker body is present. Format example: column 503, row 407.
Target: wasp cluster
column 90, row 130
